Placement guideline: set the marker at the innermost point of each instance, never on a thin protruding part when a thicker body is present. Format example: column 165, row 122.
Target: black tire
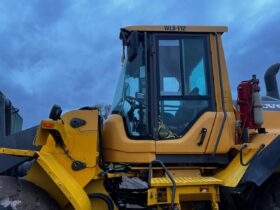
column 18, row 194
column 268, row 197
column 103, row 197
column 196, row 205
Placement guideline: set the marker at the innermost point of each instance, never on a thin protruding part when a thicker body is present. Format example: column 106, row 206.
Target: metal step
column 174, row 190
column 185, row 181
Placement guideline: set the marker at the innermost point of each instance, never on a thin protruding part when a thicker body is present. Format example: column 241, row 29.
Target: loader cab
column 168, row 97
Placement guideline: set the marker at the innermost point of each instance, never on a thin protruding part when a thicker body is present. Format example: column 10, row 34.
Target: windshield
column 130, row 99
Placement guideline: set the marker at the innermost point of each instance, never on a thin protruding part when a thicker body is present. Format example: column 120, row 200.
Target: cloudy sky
column 68, row 52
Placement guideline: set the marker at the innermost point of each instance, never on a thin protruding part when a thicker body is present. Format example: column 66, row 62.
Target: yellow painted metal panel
column 42, row 132
column 152, row 196
column 119, row 148
column 66, row 183
column 177, row 28
column 227, row 136
column 233, row 173
column 80, row 144
column 188, row 144
column 41, row 178
column 227, row 139
column 185, row 193
column 270, row 119
column 17, row 152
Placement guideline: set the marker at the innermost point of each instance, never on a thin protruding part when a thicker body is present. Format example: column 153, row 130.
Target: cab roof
column 177, row 28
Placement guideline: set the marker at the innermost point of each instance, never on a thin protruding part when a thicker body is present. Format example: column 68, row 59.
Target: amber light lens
column 47, row 124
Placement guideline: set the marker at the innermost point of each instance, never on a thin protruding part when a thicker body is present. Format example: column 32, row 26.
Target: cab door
column 185, row 94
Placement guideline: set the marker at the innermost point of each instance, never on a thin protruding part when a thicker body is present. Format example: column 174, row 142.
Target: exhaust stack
column 271, row 82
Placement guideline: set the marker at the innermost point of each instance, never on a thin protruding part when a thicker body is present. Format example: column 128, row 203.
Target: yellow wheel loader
column 175, row 138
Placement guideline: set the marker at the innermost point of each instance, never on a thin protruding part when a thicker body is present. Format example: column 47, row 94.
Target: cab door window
column 185, row 83
column 170, row 68
column 194, row 66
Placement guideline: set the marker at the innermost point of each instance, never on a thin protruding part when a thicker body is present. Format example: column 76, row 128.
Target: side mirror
column 132, row 47
column 55, row 112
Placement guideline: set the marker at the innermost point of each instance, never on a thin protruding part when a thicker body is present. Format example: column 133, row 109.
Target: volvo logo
column 271, row 105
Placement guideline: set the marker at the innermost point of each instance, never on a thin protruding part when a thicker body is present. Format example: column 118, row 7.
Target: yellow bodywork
column 55, row 162
column 67, row 183
column 52, row 170
column 118, row 147
column 233, row 173
column 52, row 167
column 178, row 28
column 17, row 152
column 187, row 189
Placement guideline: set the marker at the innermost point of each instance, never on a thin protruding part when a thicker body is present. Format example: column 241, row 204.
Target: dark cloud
column 68, row 52
column 256, row 51
column 49, row 11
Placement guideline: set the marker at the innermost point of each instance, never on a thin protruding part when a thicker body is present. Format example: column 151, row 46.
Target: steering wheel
column 135, row 103
column 131, row 100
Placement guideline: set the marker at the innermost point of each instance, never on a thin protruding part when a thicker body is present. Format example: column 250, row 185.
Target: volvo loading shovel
column 175, row 139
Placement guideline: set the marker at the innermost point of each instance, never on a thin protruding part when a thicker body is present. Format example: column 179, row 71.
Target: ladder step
column 185, row 181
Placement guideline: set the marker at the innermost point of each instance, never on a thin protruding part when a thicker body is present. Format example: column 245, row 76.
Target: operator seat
column 186, row 112
column 167, row 118
column 184, row 115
